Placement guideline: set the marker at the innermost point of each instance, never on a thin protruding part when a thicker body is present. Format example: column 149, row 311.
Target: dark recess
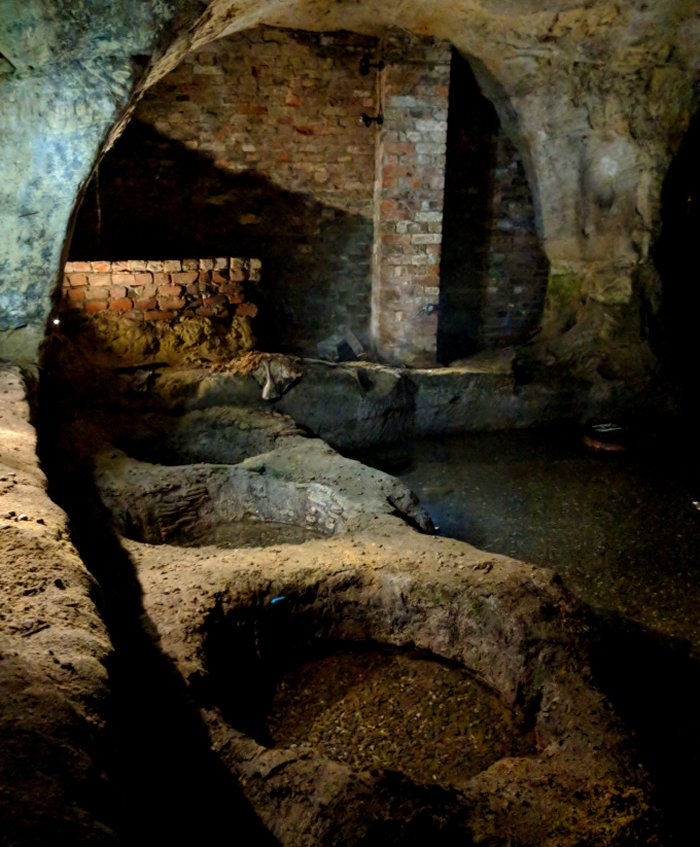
column 674, row 331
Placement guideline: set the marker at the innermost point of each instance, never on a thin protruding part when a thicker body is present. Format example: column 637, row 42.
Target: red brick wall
column 161, row 291
column 283, row 103
column 253, row 145
column 409, row 198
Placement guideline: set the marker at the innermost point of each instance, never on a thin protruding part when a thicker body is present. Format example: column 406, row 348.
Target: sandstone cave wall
column 68, row 70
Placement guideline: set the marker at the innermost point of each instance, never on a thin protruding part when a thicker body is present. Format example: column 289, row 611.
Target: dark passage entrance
column 676, row 259
column 493, row 273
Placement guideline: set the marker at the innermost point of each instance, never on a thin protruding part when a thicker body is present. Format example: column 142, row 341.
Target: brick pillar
column 409, row 184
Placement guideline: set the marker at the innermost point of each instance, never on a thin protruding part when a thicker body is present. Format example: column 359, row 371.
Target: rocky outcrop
column 214, row 628
column 372, row 580
column 299, row 482
column 355, row 406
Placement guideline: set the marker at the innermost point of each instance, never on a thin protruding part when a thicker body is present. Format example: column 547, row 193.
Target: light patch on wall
column 608, row 166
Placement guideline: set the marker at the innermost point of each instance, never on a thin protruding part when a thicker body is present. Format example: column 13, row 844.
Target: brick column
column 409, row 184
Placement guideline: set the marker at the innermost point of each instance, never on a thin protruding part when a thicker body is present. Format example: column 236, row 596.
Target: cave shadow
column 467, row 213
column 167, row 783
column 152, row 198
column 493, row 273
column 653, row 682
column 49, row 750
column 674, row 331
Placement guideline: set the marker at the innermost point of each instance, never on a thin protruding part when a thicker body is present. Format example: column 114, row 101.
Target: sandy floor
column 374, row 709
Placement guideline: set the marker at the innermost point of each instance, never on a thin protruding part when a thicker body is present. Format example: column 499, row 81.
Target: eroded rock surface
column 53, row 649
column 225, row 625
column 300, row 482
column 355, row 406
column 233, row 620
column 510, row 624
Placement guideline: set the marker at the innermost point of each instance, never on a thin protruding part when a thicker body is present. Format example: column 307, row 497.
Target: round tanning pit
column 374, row 707
column 369, row 742
column 368, row 704
column 229, row 506
column 439, row 706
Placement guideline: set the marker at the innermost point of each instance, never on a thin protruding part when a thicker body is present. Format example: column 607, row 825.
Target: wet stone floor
column 621, row 529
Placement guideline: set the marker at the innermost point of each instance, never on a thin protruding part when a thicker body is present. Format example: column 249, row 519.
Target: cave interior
column 260, row 262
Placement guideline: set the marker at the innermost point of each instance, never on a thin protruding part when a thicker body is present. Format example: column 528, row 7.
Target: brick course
column 222, row 291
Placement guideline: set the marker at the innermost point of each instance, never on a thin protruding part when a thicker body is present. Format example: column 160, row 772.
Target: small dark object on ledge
column 609, row 437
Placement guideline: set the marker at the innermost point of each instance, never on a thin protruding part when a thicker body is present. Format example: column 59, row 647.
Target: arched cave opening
column 263, row 145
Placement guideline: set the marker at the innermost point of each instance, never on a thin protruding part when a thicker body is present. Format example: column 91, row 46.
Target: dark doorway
column 493, row 273
column 676, row 260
